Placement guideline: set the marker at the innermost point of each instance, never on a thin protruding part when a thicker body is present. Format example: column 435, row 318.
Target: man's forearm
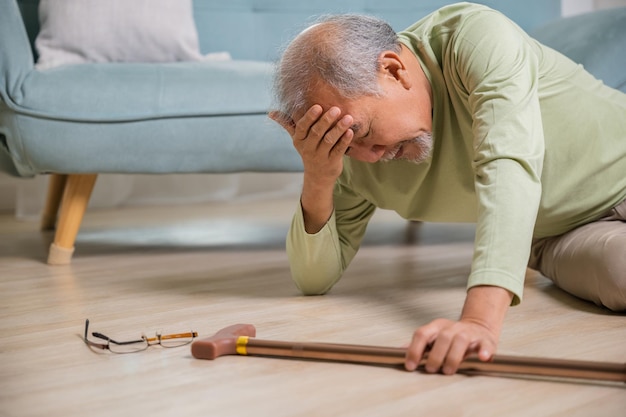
column 315, row 260
column 317, row 204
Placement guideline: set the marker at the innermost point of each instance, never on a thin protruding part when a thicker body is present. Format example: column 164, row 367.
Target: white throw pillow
column 81, row 31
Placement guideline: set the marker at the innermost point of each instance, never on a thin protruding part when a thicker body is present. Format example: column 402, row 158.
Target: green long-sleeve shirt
column 526, row 144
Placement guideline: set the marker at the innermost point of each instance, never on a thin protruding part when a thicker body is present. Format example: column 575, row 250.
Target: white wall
column 574, row 7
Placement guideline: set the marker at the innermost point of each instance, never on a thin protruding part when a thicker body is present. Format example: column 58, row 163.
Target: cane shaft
column 322, row 351
column 500, row 364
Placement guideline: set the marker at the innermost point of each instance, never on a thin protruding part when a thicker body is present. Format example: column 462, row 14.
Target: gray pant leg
column 588, row 262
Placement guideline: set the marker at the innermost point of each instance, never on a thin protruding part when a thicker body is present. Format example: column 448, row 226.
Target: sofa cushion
column 78, row 31
column 596, row 40
column 124, row 92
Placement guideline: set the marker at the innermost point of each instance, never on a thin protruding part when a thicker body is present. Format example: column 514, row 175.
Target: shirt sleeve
column 496, row 65
column 317, row 261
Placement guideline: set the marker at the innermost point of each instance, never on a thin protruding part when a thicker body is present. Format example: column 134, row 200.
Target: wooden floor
column 204, row 267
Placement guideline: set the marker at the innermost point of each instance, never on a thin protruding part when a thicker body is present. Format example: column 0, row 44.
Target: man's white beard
column 415, row 150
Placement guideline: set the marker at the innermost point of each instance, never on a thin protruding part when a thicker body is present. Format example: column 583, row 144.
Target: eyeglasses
column 132, row 346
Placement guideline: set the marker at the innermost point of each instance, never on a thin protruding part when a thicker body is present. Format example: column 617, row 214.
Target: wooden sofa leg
column 56, row 185
column 76, row 195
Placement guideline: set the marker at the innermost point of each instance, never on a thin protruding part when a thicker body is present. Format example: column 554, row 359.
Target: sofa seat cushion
column 117, row 92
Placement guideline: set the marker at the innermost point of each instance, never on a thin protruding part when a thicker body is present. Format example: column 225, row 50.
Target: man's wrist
column 487, row 305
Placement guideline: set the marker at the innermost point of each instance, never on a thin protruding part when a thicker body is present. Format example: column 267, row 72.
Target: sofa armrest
column 16, row 56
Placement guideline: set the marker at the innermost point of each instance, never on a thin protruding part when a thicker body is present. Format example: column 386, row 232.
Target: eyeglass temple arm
column 99, row 335
column 191, row 334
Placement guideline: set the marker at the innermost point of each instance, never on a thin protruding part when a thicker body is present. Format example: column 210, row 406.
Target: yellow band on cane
column 242, row 342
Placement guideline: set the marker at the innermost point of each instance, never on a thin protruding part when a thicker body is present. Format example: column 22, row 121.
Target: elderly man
column 461, row 118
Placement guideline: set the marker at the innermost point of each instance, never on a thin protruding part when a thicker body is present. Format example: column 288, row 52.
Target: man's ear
column 393, row 67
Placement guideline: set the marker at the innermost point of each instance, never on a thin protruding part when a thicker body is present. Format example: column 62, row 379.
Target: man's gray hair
column 342, row 51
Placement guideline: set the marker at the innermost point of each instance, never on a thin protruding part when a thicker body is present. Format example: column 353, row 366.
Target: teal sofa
column 78, row 121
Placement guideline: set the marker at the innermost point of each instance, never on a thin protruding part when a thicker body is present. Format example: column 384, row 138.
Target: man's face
column 395, row 125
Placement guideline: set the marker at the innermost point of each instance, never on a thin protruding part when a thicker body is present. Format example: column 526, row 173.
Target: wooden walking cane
column 239, row 340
